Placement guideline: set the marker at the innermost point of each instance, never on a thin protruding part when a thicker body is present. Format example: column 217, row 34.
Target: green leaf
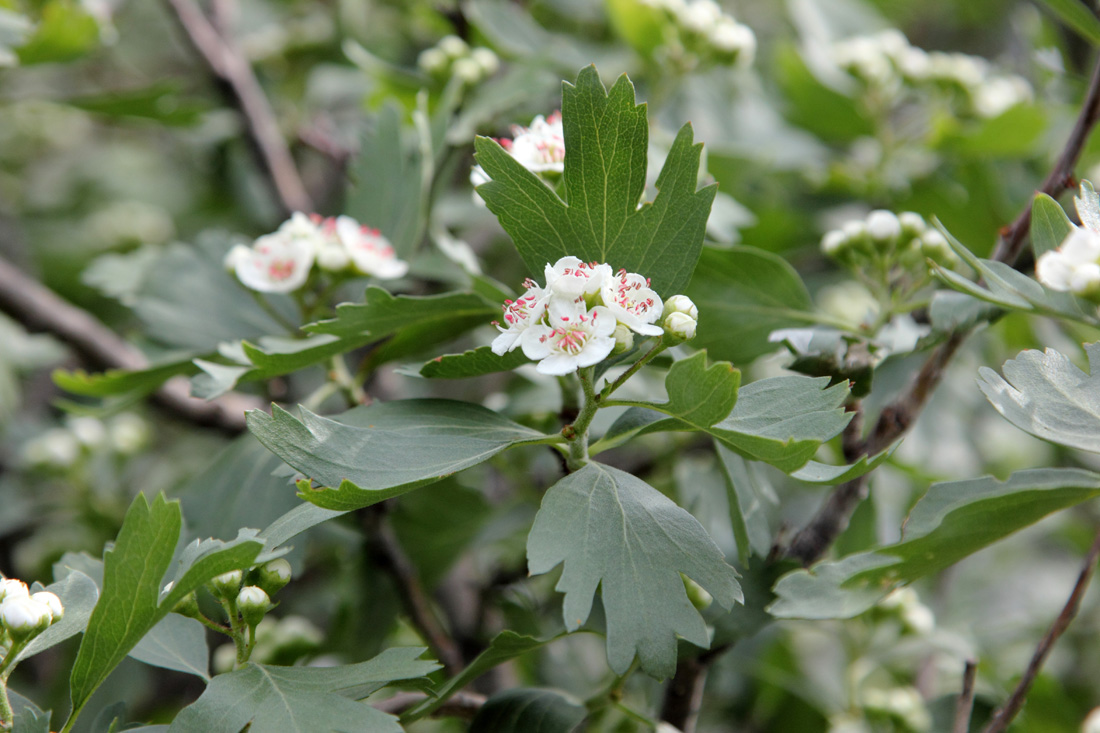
column 779, row 420
column 953, row 520
column 294, row 522
column 177, row 643
column 383, row 314
column 380, row 451
column 65, row 32
column 120, row 381
column 610, row 529
column 269, row 699
column 131, row 602
column 1046, row 395
column 29, row 718
column 698, row 395
column 606, row 140
column 78, row 594
column 386, row 191
column 753, row 504
column 505, row 646
column 1049, row 224
column 474, row 363
column 1078, row 16
column 824, row 473
column 527, row 710
column 743, row 294
column 161, row 102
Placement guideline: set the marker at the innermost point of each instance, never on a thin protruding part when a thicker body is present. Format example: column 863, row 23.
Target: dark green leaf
column 1078, row 16
column 384, row 314
column 606, row 140
column 1049, row 224
column 117, row 381
column 474, row 363
column 743, row 294
column 526, row 710
column 1046, row 395
column 271, row 699
column 384, row 450
column 610, row 529
column 505, row 646
column 953, row 520
column 177, row 643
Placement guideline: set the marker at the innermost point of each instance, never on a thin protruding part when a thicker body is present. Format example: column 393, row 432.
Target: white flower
column 883, row 225
column 699, row 16
column 1073, row 266
column 88, row 431
column 519, row 315
column 453, row 46
column 52, row 602
column 571, row 278
column 680, row 325
column 129, row 433
column 486, row 59
column 56, row 447
column 433, row 60
column 370, row 252
column 999, row 93
column 13, row 588
column 576, row 337
column 833, row 241
column 629, row 298
column 540, row 148
column 276, row 263
column 468, row 70
column 24, row 616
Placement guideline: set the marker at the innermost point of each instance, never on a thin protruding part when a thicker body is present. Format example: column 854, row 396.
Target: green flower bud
column 273, row 576
column 697, row 594
column 253, row 604
column 453, row 46
column 228, row 584
column 624, row 339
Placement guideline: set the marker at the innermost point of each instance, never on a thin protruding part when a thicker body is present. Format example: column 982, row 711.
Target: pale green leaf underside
column 380, row 451
column 953, row 520
column 1049, row 224
column 1045, row 394
column 610, row 529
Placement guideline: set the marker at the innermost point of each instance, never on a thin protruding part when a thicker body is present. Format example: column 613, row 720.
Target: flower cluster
column 24, row 615
column 887, row 62
column 59, row 448
column 1075, row 265
column 281, row 262
column 539, row 148
column 584, row 313
column 702, row 31
column 453, row 57
column 903, row 240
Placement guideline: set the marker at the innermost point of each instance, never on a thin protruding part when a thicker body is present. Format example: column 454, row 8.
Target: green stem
column 213, row 625
column 658, row 347
column 577, row 432
column 351, row 386
column 7, row 714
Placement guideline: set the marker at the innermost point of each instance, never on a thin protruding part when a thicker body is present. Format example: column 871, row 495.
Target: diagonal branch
column 228, row 63
column 40, row 309
column 964, row 706
column 1004, row 716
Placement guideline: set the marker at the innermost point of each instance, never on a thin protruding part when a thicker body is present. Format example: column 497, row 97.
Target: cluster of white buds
column 453, row 57
column 586, row 312
column 539, row 148
column 917, row 617
column 281, row 262
column 24, row 615
column 702, row 28
column 904, row 240
column 887, row 62
column 59, row 448
column 281, row 641
column 1074, row 266
column 902, row 703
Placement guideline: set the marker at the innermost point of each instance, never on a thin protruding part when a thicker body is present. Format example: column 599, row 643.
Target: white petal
column 558, row 365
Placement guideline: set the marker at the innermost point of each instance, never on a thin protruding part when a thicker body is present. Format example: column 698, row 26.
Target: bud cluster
column 282, row 261
column 24, row 615
column 585, row 313
column 453, row 57
column 59, row 448
column 888, row 63
column 903, row 240
column 702, row 31
column 539, row 148
column 1074, row 266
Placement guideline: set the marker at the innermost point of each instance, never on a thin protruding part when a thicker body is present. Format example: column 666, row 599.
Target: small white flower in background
column 467, row 70
column 370, row 252
column 572, row 278
column 519, row 315
column 275, row 263
column 575, row 338
column 56, row 448
column 88, row 431
column 433, row 60
column 13, row 588
column 52, row 602
column 24, row 617
column 128, row 433
column 629, row 298
column 453, row 46
column 540, row 147
column 486, row 59
column 998, row 94
column 699, row 16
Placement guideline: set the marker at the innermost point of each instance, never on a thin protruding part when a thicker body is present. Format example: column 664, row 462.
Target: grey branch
column 964, row 706
column 460, row 705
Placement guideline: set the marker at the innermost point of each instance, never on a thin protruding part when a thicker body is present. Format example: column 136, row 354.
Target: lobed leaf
column 474, row 363
column 527, row 710
column 698, row 395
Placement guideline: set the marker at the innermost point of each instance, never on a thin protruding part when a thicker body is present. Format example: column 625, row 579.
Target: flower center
column 280, row 269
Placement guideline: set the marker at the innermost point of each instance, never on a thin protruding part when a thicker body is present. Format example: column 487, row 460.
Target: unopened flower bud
column 273, row 576
column 624, row 339
column 698, row 595
column 833, row 242
column 912, row 223
column 52, row 602
column 333, row 258
column 88, row 431
column 13, row 588
column 453, row 46
column 253, row 604
column 228, row 584
column 433, row 60
column 188, row 606
column 680, row 326
column 883, row 226
column 681, row 304
column 24, row 617
column 486, row 59
column 129, row 433
column 467, row 70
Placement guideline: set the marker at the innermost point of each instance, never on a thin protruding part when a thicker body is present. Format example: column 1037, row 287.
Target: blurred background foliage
column 117, row 145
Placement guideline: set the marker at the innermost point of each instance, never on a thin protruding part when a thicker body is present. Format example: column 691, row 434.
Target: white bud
column 1091, row 723
column 228, row 584
column 833, row 242
column 89, row 431
column 433, row 60
column 1085, row 279
column 12, row 588
column 333, row 257
column 52, row 602
column 235, row 255
column 274, row 575
column 883, row 226
column 24, row 617
column 854, row 229
column 680, row 325
column 700, row 16
column 129, row 433
column 57, row 447
column 919, row 618
column 253, row 603
column 486, row 59
column 624, row 338
column 453, row 46
column 912, row 223
column 467, row 70
column 681, row 304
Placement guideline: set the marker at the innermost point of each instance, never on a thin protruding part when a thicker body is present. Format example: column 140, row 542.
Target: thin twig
column 387, row 553
column 459, row 705
column 964, row 706
column 39, row 309
column 684, row 694
column 1004, row 716
column 228, row 63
